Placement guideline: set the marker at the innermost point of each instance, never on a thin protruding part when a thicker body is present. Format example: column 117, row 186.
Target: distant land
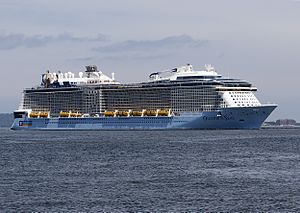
column 281, row 123
column 6, row 120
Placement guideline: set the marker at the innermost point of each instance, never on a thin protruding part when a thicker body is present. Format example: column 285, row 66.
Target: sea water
column 174, row 171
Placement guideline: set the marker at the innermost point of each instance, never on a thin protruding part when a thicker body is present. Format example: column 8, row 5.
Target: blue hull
column 226, row 118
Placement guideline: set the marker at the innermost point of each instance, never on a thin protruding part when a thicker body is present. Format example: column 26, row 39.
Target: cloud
column 149, row 49
column 122, row 57
column 15, row 40
column 173, row 42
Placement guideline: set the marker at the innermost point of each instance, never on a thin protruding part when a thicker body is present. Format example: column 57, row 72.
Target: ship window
column 19, row 114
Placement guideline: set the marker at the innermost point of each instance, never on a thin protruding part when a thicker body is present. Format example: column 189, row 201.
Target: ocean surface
column 173, row 171
column 6, row 120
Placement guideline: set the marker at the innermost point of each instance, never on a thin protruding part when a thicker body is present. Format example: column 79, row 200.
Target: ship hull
column 225, row 118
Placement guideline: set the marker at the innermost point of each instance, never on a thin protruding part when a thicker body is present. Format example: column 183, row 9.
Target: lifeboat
column 124, row 113
column 75, row 114
column 64, row 114
column 72, row 114
column 163, row 112
column 137, row 113
column 34, row 114
column 150, row 113
column 44, row 115
column 109, row 114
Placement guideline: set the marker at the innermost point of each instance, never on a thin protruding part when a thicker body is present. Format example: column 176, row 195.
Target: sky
column 255, row 40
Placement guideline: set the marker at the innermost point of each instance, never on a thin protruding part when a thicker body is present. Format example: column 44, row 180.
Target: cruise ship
column 178, row 98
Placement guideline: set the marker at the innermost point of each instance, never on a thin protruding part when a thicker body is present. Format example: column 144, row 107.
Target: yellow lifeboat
column 150, row 113
column 163, row 112
column 75, row 114
column 44, row 115
column 137, row 113
column 109, row 114
column 64, row 114
column 34, row 114
column 123, row 113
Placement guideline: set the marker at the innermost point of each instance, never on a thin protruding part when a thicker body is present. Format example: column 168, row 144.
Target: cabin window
column 19, row 114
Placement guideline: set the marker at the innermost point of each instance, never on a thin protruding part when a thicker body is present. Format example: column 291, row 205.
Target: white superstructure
column 185, row 72
column 91, row 76
column 233, row 97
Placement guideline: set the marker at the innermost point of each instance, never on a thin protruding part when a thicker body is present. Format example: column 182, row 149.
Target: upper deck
column 91, row 76
column 180, row 76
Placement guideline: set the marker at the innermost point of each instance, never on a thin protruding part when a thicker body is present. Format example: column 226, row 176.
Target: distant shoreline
column 280, row 127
